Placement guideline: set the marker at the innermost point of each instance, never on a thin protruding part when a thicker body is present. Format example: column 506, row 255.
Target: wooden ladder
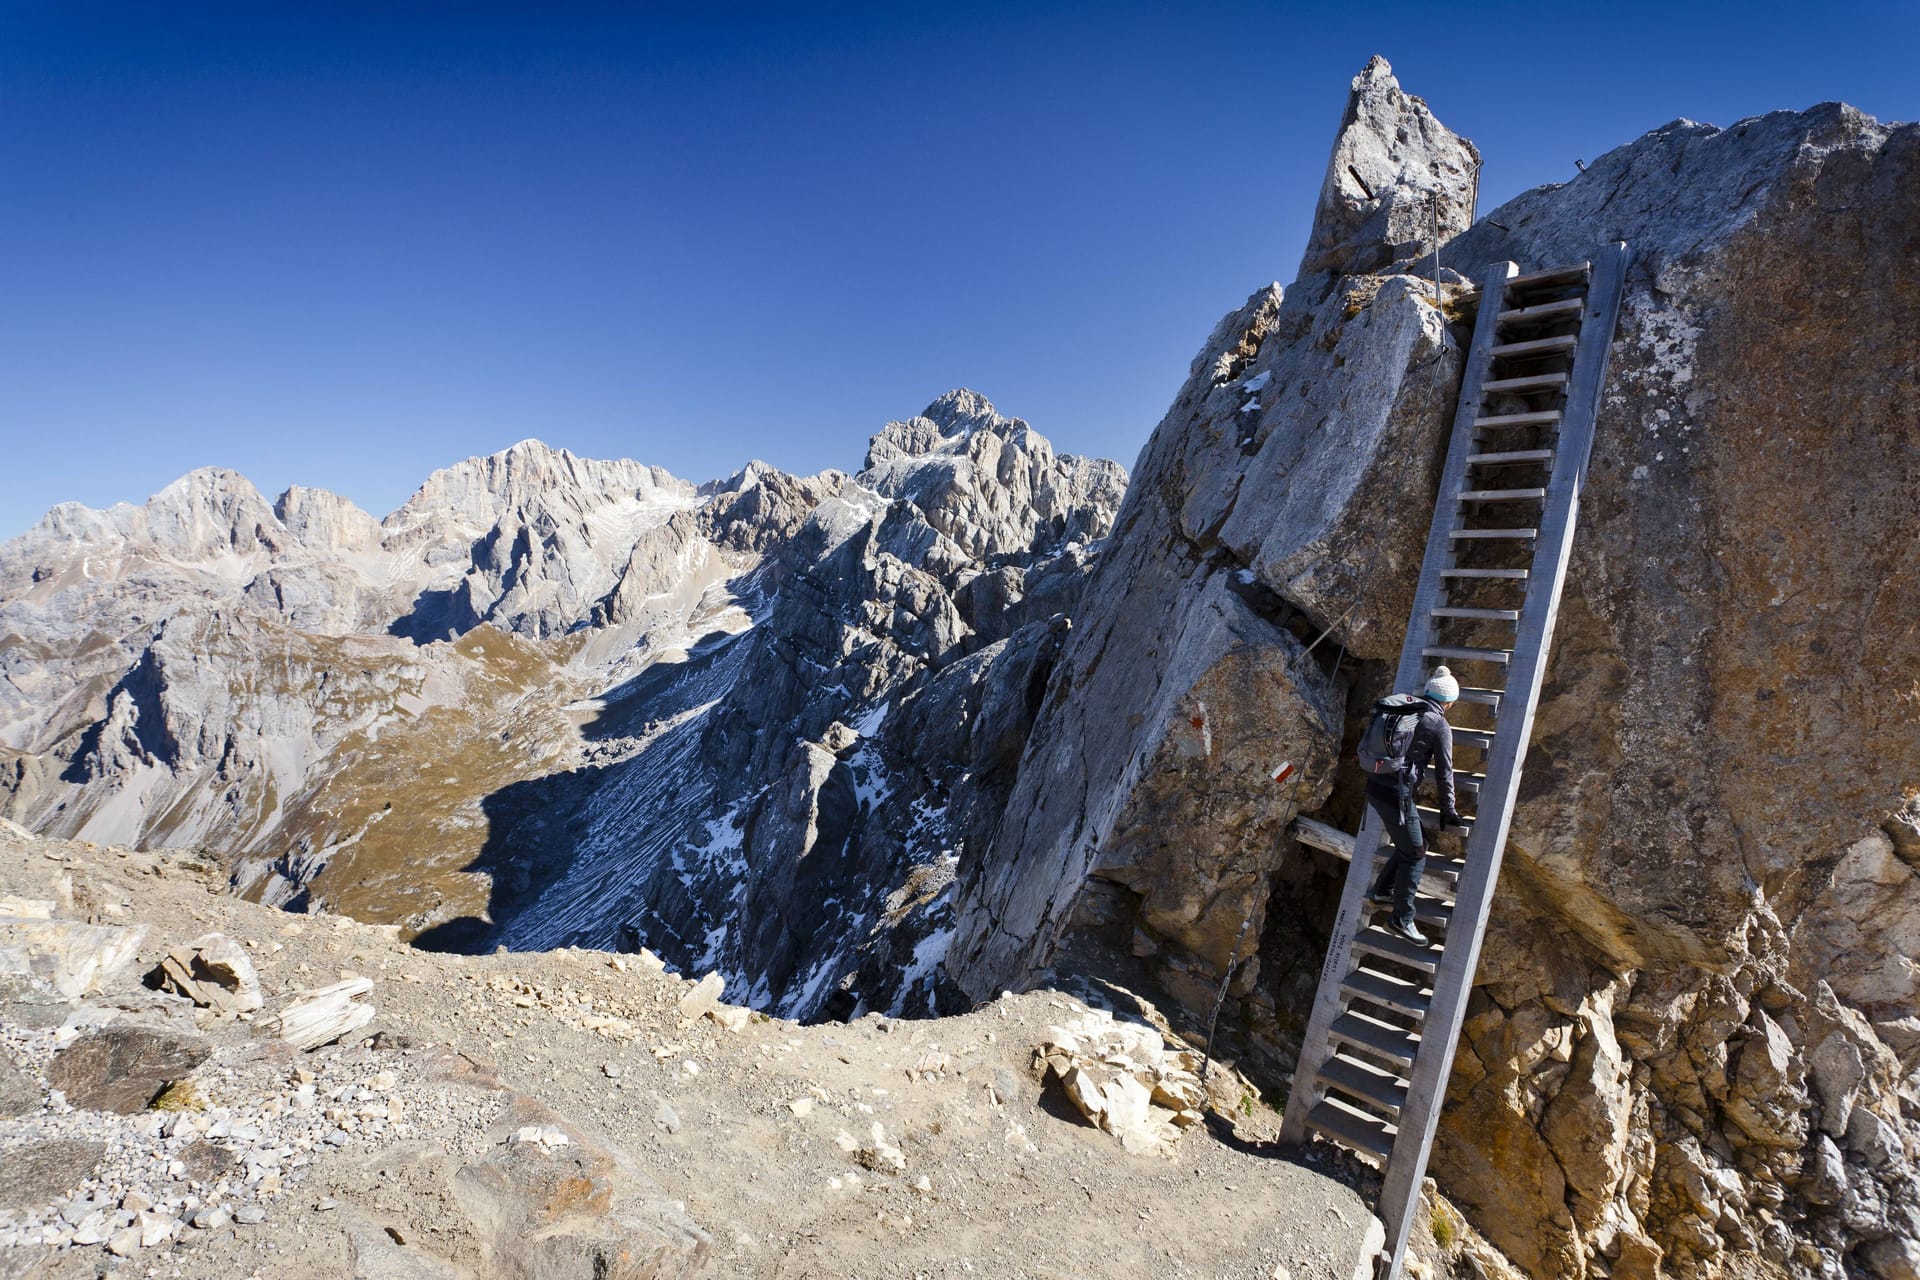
column 1379, row 1046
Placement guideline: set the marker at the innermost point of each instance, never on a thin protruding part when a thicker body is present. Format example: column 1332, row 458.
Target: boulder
column 703, row 997
column 71, row 958
column 1825, row 1181
column 878, row 1154
column 1123, row 1079
column 213, row 971
column 20, row 1090
column 323, row 1015
column 1893, row 1259
column 1767, row 1095
column 43, row 1171
column 124, row 1066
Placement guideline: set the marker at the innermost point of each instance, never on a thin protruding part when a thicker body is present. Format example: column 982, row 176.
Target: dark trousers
column 1392, row 803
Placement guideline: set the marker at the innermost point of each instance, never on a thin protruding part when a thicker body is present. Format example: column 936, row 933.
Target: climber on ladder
column 1404, row 735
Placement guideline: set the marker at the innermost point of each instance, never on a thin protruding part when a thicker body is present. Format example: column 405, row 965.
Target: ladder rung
column 1502, row 495
column 1482, row 738
column 1529, row 383
column 1382, row 1089
column 1515, row 575
column 1481, row 697
column 1543, row 311
column 1536, row 346
column 1539, row 418
column 1431, row 818
column 1499, row 615
column 1430, row 909
column 1511, row 455
column 1377, row 941
column 1467, row 654
column 1383, row 1038
column 1439, row 879
column 1552, row 275
column 1495, row 533
column 1353, row 1129
column 1385, row 989
column 1469, row 782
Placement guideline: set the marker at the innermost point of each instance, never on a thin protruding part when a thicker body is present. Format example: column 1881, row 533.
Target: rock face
column 1694, row 1047
column 552, row 699
column 1395, row 174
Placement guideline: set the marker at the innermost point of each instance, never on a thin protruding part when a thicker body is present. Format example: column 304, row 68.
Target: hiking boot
column 1379, row 899
column 1410, row 931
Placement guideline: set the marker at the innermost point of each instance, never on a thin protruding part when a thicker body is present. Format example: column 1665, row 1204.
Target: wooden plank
column 1462, row 653
column 1350, row 1127
column 1385, row 989
column 1321, row 836
column 1462, row 611
column 1328, row 1003
column 1526, row 384
column 1521, row 535
column 1537, row 346
column 1379, row 942
column 1572, row 273
column 1539, row 418
column 1366, row 1083
column 1503, row 495
column 1437, row 881
column 1430, row 820
column 1441, row 875
column 1433, row 909
column 1544, row 311
column 1375, row 1036
column 1453, row 978
column 1510, row 455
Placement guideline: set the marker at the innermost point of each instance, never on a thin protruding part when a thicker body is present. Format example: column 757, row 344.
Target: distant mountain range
column 559, row 700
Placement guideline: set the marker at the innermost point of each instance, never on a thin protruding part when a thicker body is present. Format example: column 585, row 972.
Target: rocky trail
column 560, row 1113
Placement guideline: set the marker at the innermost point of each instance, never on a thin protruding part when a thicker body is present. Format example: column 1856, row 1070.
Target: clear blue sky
column 343, row 244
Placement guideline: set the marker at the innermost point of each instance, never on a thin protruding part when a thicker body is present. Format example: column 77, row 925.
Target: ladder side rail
column 1407, row 1166
column 1328, row 1001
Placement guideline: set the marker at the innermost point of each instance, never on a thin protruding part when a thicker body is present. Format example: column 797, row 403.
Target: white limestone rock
column 68, row 957
column 322, row 1015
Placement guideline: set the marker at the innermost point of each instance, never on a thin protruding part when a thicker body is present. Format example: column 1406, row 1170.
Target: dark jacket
column 1432, row 745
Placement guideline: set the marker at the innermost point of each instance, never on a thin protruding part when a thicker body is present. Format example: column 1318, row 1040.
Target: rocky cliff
column 552, row 699
column 1694, row 1047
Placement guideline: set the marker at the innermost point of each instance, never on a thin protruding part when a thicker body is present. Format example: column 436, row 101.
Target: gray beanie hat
column 1441, row 686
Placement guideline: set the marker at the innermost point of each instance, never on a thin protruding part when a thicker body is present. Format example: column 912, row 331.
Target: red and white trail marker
column 1284, row 771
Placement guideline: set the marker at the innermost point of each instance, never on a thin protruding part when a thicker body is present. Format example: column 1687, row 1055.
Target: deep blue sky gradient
column 344, row 244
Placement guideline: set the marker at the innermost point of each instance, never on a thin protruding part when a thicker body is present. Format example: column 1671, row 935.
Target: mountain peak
column 958, row 407
column 955, row 415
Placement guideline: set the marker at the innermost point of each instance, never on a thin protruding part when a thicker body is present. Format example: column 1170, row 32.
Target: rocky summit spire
column 1390, row 160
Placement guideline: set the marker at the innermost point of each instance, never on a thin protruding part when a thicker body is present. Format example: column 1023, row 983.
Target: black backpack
column 1389, row 736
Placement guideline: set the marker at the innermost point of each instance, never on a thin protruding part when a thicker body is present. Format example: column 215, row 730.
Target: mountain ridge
column 539, row 662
